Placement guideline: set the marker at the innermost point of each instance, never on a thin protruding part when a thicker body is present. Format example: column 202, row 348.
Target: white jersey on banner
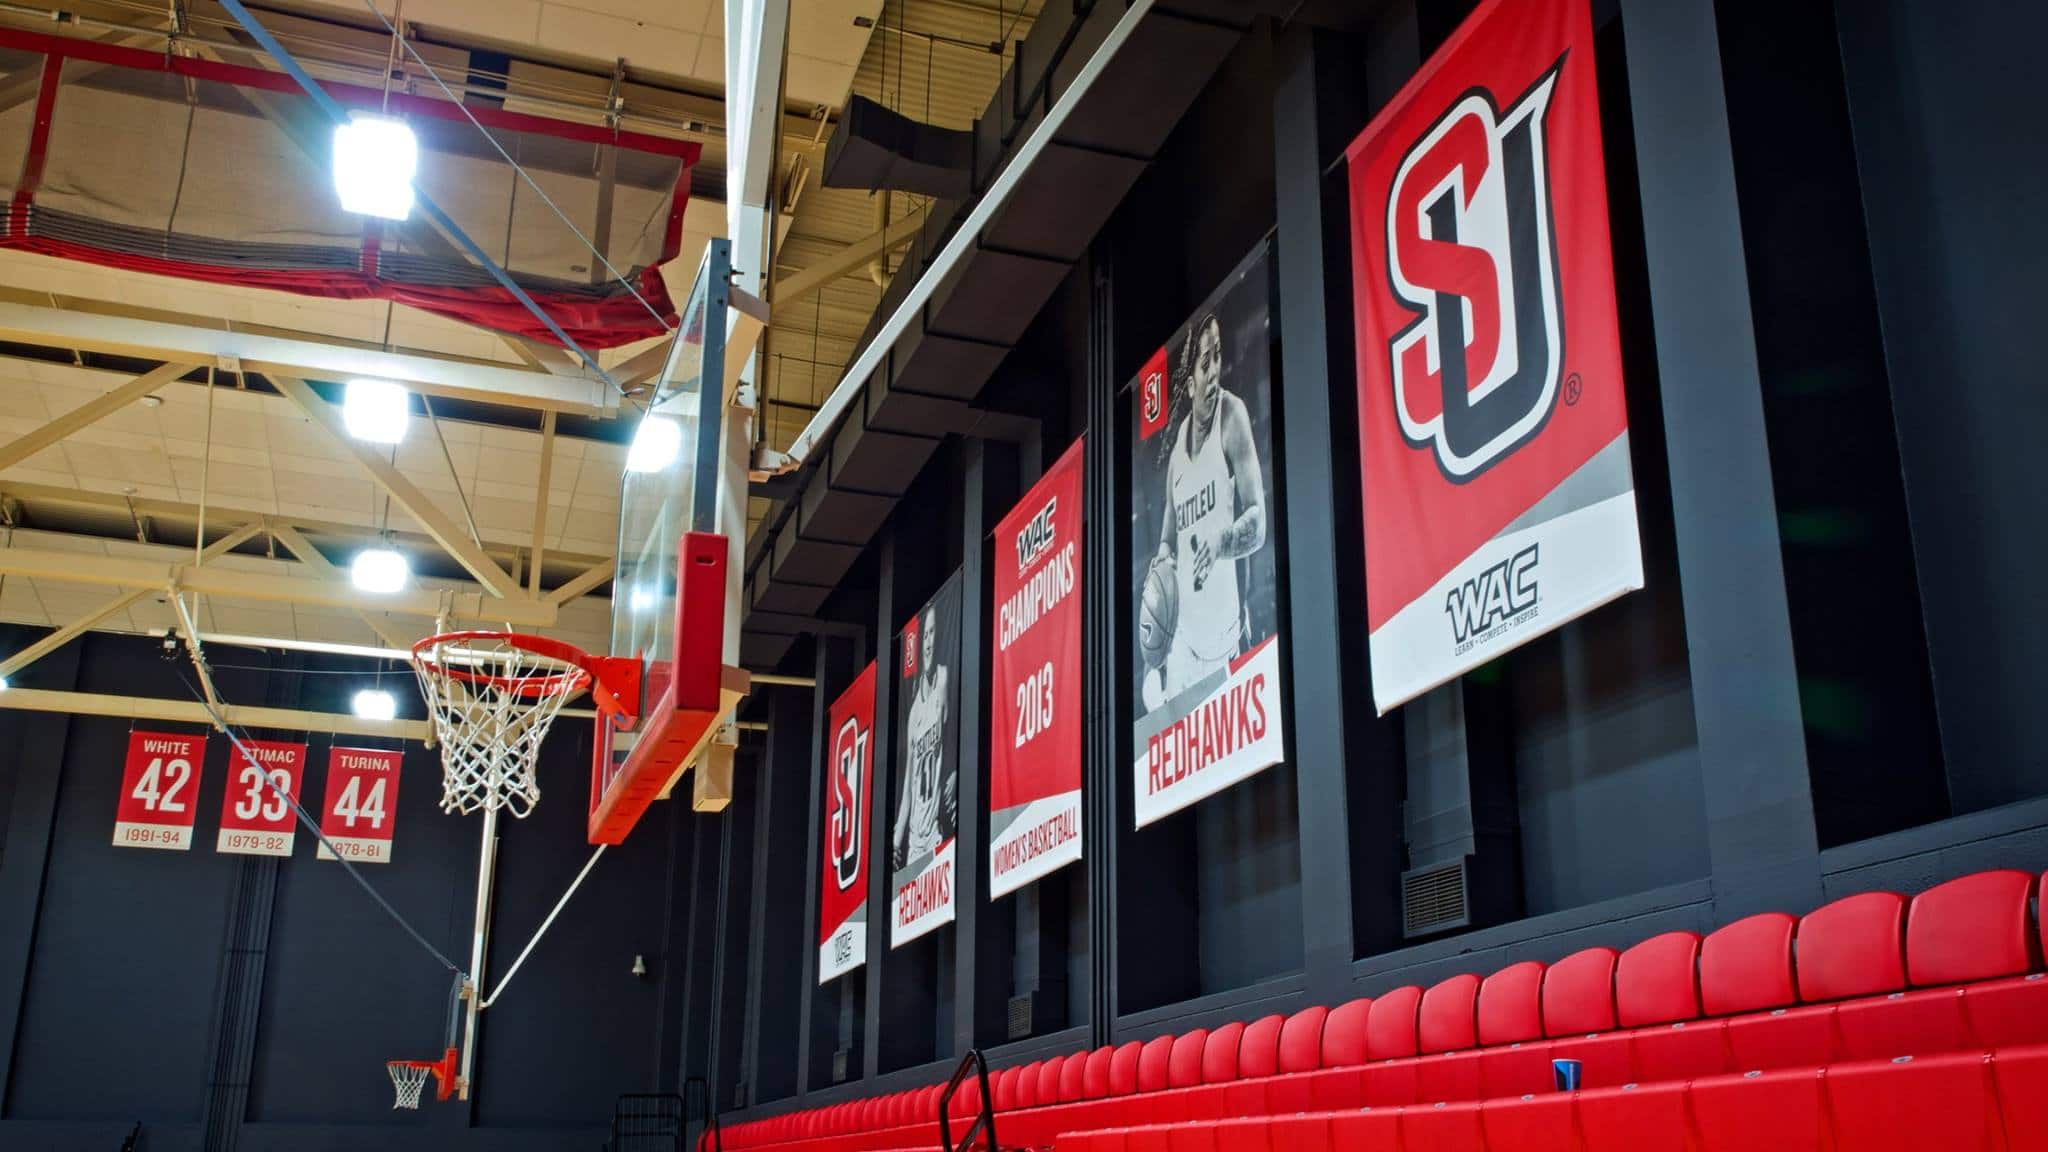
column 1204, row 505
column 926, row 738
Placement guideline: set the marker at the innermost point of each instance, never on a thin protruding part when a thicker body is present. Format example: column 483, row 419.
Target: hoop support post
column 487, row 859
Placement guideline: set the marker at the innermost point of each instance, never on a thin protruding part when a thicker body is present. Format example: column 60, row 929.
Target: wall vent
column 1435, row 899
column 839, row 1066
column 1020, row 1017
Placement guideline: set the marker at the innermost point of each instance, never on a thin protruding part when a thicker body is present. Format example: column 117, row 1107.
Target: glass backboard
column 669, row 486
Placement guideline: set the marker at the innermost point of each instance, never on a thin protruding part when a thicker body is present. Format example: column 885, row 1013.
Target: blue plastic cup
column 1566, row 1074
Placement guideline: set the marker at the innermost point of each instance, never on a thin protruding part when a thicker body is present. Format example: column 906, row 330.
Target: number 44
column 353, row 804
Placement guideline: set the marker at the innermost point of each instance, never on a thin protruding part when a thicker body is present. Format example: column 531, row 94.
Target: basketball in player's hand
column 1158, row 610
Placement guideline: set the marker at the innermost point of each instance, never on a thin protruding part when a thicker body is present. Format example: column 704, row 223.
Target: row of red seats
column 1767, row 992
column 1982, row 1102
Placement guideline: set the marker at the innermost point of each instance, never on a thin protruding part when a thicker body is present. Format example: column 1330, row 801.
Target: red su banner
column 843, row 897
column 1034, row 786
column 1499, row 500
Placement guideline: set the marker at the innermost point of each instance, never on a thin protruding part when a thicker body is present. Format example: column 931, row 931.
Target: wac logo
column 843, row 846
column 1492, row 597
column 1037, row 536
column 1470, row 251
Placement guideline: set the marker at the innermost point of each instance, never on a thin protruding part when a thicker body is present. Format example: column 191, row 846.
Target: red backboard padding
column 1578, row 993
column 1656, row 981
column 1747, row 966
column 1449, row 1016
column 1301, row 1040
column 1852, row 947
column 1344, row 1034
column 1511, row 1004
column 1971, row 928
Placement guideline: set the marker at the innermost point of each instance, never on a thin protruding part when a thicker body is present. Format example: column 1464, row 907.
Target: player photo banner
column 927, row 770
column 843, row 897
column 1499, row 501
column 1034, row 761
column 1204, row 590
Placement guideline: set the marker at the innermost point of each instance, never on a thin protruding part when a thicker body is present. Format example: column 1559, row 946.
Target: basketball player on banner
column 927, row 798
column 1208, row 667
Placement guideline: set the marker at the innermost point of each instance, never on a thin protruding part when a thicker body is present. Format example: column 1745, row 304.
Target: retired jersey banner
column 843, row 897
column 1034, row 756
column 256, row 819
column 1499, row 501
column 1204, row 590
column 359, row 817
column 927, row 769
column 159, row 791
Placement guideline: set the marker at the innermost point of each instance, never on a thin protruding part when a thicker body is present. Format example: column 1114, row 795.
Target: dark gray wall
column 1956, row 195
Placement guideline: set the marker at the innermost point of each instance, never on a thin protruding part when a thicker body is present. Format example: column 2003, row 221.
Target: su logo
column 1470, row 252
column 910, row 647
column 849, row 759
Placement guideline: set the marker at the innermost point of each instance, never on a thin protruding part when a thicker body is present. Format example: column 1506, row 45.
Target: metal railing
column 984, row 1126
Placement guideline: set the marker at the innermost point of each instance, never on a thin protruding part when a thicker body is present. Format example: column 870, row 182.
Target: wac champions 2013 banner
column 1205, row 593
column 1499, row 501
column 843, row 897
column 1034, row 755
column 921, row 838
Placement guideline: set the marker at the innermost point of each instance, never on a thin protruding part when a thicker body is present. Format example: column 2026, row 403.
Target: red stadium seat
column 1747, row 966
column 1943, row 1102
column 1219, row 1055
column 1901, row 1024
column 1443, row 1128
column 1301, row 1134
column 1781, row 1111
column 1258, row 1054
column 1390, row 1026
column 1184, row 1060
column 1152, row 1063
column 1533, row 1121
column 1301, row 1040
column 1656, row 981
column 1123, row 1068
column 1515, row 1070
column 1634, row 1118
column 1511, row 1004
column 1095, row 1079
column 1448, row 1019
column 1026, row 1089
column 1246, row 1135
column 2021, row 1078
column 1972, row 928
column 1344, row 1034
column 1049, row 1081
column 1073, row 1078
column 1004, row 1084
column 1681, row 1051
column 1578, row 994
column 2007, row 1013
column 1852, row 947
column 1370, row 1130
column 1783, row 1038
column 1389, row 1083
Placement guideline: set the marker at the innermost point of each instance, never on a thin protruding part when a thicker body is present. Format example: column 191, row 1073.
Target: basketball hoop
column 492, row 696
column 409, row 1079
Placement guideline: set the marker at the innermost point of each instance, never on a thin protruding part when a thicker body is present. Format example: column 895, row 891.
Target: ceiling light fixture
column 376, row 410
column 375, row 159
column 375, row 704
column 380, row 571
column 655, row 446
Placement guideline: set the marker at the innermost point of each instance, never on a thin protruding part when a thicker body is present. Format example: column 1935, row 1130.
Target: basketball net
column 491, row 697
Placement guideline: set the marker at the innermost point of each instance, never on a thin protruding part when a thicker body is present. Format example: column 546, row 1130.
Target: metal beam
column 118, row 335
column 588, row 579
column 157, row 576
column 90, row 412
column 296, row 543
column 193, row 712
column 847, row 260
column 216, row 514
column 401, row 490
column 540, row 504
column 64, row 635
